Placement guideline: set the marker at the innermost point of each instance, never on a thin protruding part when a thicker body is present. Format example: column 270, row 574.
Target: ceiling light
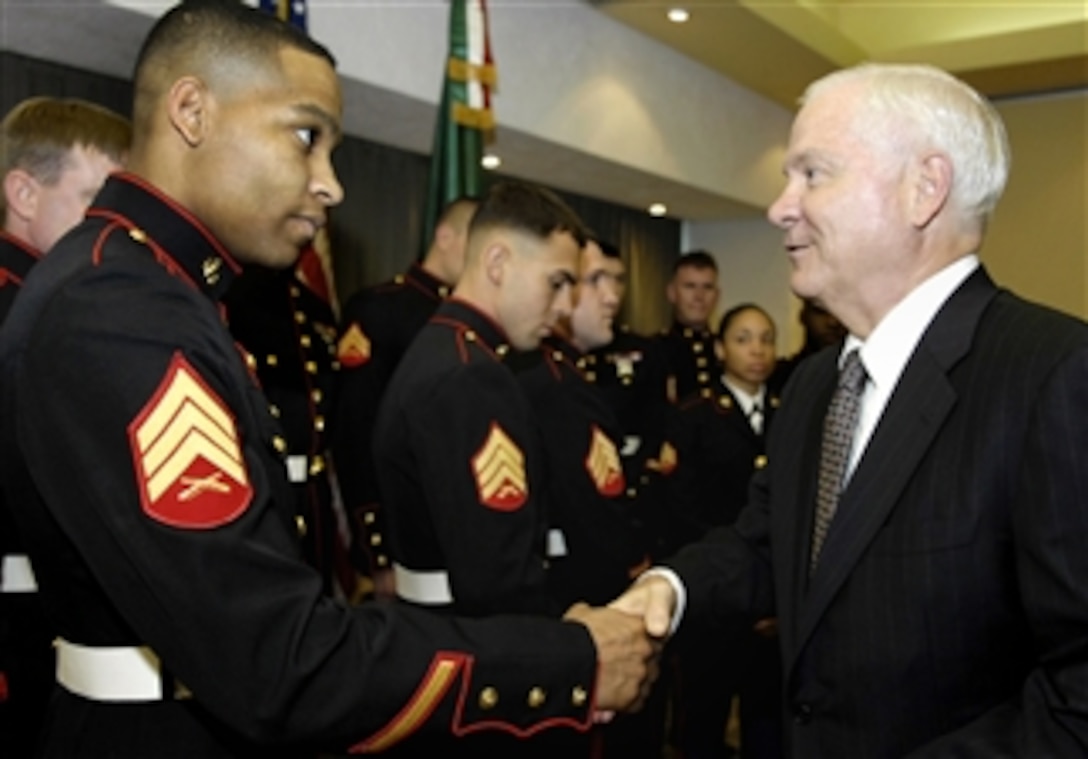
column 491, row 161
column 658, row 209
column 678, row 15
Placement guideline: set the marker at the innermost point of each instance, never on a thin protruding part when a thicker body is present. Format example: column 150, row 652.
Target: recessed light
column 678, row 15
column 491, row 161
column 658, row 209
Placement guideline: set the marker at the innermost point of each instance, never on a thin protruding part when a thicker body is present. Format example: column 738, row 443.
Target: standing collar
column 466, row 317
column 169, row 229
column 427, row 282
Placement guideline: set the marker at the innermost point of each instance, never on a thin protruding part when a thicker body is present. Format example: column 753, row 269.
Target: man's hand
column 626, row 658
column 653, row 600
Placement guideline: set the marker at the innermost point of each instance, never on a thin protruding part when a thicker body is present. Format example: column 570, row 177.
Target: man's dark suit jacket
column 949, row 612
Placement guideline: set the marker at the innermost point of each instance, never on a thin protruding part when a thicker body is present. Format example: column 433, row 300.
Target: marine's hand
column 626, row 658
column 653, row 600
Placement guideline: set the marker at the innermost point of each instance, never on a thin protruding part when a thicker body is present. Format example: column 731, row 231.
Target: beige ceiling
column 776, row 47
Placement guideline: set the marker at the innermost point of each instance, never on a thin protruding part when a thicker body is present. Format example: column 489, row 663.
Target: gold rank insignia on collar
column 353, row 350
column 210, row 268
column 603, row 464
column 499, row 467
column 190, row 468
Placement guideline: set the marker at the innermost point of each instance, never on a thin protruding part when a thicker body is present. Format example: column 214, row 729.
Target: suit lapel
column 921, row 401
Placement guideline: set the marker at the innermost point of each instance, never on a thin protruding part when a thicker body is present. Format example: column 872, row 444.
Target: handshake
column 629, row 634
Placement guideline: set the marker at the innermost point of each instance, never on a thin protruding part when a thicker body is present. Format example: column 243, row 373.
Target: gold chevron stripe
column 354, row 347
column 194, row 445
column 603, row 463
column 499, row 466
column 431, row 691
column 188, row 417
column 183, row 387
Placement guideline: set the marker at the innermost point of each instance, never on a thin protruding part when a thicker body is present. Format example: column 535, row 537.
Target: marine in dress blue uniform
column 151, row 487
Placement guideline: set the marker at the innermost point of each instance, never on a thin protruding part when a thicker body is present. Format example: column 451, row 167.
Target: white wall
column 752, row 267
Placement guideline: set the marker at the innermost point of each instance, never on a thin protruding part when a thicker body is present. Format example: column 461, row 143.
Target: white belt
column 16, row 575
column 431, row 588
column 557, row 544
column 298, row 468
column 121, row 673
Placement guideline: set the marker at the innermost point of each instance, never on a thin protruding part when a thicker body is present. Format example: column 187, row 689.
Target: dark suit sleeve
column 1050, row 530
column 727, row 574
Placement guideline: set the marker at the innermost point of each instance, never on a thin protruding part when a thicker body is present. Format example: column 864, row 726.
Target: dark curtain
column 375, row 232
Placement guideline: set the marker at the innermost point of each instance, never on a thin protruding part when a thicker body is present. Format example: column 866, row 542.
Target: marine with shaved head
column 145, row 468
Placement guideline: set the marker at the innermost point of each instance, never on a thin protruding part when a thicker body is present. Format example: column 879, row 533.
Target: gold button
column 688, row 332
column 697, row 347
column 631, row 492
column 382, row 561
column 300, row 317
column 294, row 292
column 725, row 401
column 399, row 279
column 279, row 444
column 300, row 526
column 537, row 697
column 304, row 341
column 311, row 367
column 578, row 696
column 591, row 376
column 774, row 402
column 502, row 350
column 703, row 377
column 700, row 362
column 317, row 465
column 138, row 235
column 592, row 360
column 335, row 366
column 369, row 517
column 707, row 392
column 251, row 362
column 760, row 462
column 470, row 335
column 272, row 359
column 489, row 698
column 274, row 410
column 316, row 395
column 557, row 355
column 376, row 539
column 319, row 423
column 626, row 380
column 444, row 291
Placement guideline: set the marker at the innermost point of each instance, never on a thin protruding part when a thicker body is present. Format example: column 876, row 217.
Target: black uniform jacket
column 461, row 469
column 291, row 333
column 594, row 548
column 376, row 327
column 690, row 361
column 152, row 493
column 948, row 615
column 716, row 452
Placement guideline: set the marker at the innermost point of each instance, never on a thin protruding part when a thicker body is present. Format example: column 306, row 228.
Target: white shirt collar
column 744, row 398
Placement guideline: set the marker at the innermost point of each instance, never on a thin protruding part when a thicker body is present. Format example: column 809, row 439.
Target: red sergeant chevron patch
column 603, row 464
column 189, row 463
column 354, row 347
column 499, row 467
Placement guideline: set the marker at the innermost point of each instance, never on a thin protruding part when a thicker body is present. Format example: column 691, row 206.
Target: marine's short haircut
column 729, row 316
column 527, row 208
column 204, row 36
column 609, row 249
column 696, row 259
column 38, row 134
